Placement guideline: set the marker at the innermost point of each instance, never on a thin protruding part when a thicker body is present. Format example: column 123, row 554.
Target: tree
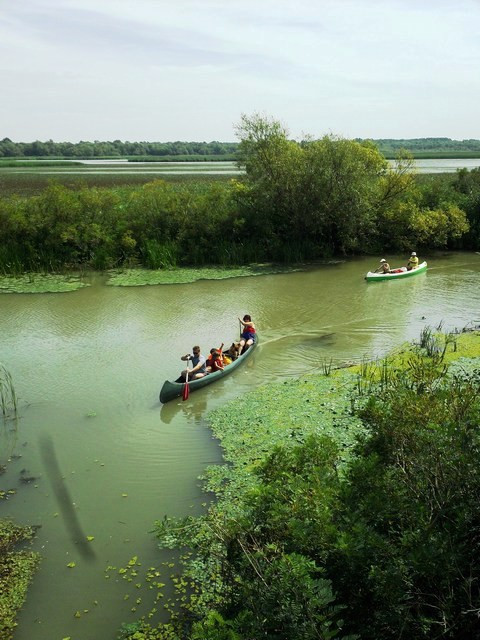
column 320, row 195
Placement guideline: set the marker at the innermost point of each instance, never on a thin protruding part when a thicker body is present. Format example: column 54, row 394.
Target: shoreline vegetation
column 295, row 202
column 17, row 565
column 348, row 502
column 212, row 151
column 17, row 569
column 346, row 506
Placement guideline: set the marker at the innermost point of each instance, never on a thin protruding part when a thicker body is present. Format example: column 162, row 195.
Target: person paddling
column 383, row 268
column 199, row 367
column 248, row 335
column 413, row 261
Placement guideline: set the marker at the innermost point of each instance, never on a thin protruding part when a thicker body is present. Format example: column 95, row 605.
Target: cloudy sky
column 187, row 69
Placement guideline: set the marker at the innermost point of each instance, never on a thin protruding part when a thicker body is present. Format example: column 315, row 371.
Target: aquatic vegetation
column 8, row 397
column 355, row 487
column 16, row 572
column 140, row 277
column 40, row 283
column 282, row 414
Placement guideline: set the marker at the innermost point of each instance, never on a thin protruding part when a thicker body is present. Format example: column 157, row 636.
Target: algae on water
column 40, row 283
column 16, row 572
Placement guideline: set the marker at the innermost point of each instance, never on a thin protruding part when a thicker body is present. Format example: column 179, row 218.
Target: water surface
column 109, row 459
column 436, row 165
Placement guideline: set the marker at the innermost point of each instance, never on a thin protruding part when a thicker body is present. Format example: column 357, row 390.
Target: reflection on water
column 192, row 409
column 88, row 367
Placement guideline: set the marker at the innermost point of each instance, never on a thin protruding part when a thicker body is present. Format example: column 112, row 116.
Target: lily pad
column 141, row 277
column 40, row 283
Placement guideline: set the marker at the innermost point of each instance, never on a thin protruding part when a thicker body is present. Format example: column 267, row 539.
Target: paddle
column 185, row 388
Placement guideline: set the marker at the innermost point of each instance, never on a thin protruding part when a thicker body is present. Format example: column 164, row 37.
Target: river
column 123, row 167
column 108, row 459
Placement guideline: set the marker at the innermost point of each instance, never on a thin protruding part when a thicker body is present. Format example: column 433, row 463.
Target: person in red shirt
column 217, row 361
column 249, row 334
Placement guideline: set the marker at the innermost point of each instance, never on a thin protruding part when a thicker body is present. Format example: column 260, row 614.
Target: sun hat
column 383, row 260
column 413, row 253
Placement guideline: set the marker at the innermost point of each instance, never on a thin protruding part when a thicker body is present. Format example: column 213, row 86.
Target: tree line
column 117, row 148
column 295, row 202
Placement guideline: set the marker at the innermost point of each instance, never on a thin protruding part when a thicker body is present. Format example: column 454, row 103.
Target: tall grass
column 8, row 397
column 422, row 369
column 160, row 255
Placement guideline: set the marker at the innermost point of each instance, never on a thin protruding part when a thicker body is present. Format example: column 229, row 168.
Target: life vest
column 214, row 364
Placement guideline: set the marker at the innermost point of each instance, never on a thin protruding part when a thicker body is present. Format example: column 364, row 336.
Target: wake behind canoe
column 173, row 389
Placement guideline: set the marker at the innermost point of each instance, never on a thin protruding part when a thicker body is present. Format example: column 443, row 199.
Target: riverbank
column 88, row 367
column 304, row 456
column 163, row 225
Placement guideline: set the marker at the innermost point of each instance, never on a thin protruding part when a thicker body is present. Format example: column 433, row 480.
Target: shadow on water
column 192, row 408
column 64, row 499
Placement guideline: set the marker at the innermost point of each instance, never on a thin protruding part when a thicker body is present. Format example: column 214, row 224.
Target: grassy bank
column 38, row 163
column 346, row 505
column 294, row 203
column 28, row 184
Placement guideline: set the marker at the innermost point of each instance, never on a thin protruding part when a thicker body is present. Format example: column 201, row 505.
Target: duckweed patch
column 281, row 414
column 16, row 572
column 40, row 283
column 142, row 277
column 341, row 477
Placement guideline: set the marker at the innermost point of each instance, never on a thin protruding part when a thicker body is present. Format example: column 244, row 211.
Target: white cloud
column 154, row 69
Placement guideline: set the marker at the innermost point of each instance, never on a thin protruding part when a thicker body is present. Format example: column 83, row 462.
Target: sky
column 164, row 70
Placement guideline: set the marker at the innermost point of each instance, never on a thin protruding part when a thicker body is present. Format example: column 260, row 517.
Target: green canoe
column 376, row 277
column 171, row 390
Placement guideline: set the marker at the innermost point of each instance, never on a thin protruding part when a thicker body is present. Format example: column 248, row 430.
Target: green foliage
column 321, row 193
column 467, row 188
column 16, row 571
column 296, row 202
column 191, row 151
column 413, row 515
column 117, row 148
column 381, row 543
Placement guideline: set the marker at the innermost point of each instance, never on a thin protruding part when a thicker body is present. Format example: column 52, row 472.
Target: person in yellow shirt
column 413, row 261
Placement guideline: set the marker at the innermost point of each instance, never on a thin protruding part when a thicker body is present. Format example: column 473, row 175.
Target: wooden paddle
column 186, row 390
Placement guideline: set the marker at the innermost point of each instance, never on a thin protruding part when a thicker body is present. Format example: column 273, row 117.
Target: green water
column 88, row 366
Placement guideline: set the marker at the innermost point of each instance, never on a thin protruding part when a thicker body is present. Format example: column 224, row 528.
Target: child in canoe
column 248, row 335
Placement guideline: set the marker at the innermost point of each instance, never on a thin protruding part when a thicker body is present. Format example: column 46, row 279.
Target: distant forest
column 421, row 147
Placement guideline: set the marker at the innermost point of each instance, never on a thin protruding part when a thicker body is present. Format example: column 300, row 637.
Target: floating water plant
column 16, row 572
column 40, row 283
column 140, row 277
